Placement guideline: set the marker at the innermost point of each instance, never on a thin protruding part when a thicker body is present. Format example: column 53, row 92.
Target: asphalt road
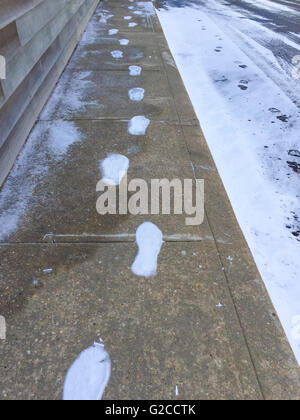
column 280, row 21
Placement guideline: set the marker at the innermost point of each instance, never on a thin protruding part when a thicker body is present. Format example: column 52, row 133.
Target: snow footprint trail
column 117, row 54
column 88, row 377
column 136, row 94
column 137, row 126
column 114, row 168
column 150, row 240
column 124, row 41
column 135, row 70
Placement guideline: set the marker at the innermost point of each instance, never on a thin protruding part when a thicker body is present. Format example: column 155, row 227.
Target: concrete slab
column 94, row 53
column 160, row 333
column 105, row 95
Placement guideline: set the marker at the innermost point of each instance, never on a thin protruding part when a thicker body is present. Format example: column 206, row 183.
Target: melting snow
column 124, row 41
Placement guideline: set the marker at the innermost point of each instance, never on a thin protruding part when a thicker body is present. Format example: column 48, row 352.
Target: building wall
column 37, row 38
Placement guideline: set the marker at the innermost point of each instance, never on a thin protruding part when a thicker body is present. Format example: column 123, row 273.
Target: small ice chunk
column 137, row 126
column 117, row 54
column 150, row 240
column 124, row 41
column 132, row 24
column 88, row 376
column 113, row 31
column 114, row 168
column 135, row 70
column 127, row 17
column 136, row 94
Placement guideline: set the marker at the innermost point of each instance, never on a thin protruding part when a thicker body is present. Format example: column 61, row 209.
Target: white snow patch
column 88, row 377
column 132, row 24
column 113, row 31
column 136, row 94
column 127, row 17
column 135, row 70
column 104, row 17
column 138, row 125
column 62, row 134
column 47, row 144
column 117, row 54
column 124, row 41
column 114, row 168
column 149, row 239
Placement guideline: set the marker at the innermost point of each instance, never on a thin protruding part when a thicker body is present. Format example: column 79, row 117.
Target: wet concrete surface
column 205, row 323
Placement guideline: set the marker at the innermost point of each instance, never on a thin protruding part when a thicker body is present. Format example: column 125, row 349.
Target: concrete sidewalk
column 161, row 333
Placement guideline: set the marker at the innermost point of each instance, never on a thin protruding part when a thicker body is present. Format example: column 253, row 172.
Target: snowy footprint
column 137, row 126
column 114, row 168
column 113, row 31
column 117, row 54
column 150, row 240
column 88, row 377
column 124, row 41
column 136, row 94
column 135, row 70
